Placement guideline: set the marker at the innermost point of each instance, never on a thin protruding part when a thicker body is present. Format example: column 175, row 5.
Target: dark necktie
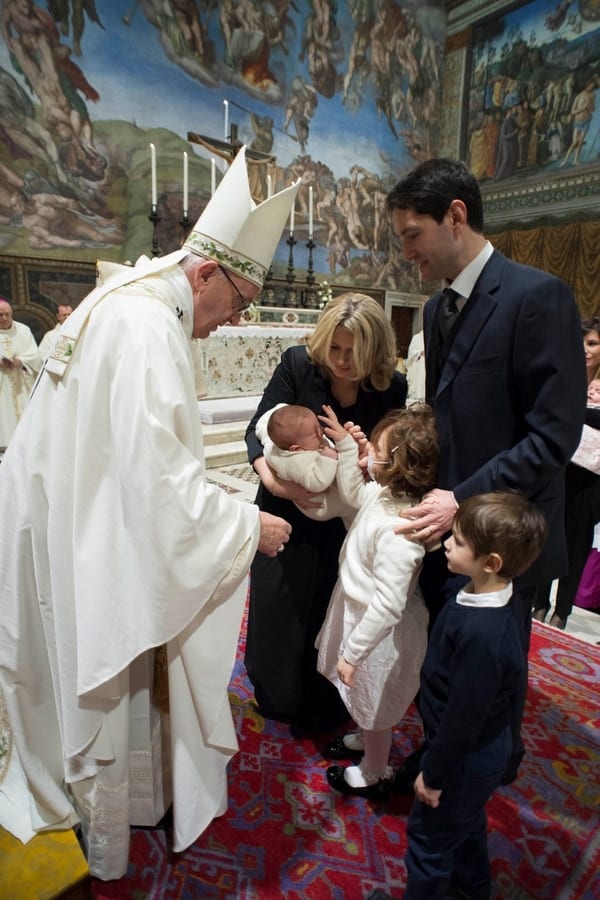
column 449, row 312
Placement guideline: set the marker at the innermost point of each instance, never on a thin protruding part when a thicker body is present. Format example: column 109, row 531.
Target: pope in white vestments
column 113, row 544
column 19, row 364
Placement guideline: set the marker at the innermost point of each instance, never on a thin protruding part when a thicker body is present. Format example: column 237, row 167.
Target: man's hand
column 430, row 519
column 274, row 534
column 425, row 794
column 345, row 671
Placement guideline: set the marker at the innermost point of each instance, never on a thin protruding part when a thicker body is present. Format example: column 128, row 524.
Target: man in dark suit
column 505, row 376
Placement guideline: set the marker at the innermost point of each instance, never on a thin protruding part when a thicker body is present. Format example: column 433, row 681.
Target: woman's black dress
column 289, row 594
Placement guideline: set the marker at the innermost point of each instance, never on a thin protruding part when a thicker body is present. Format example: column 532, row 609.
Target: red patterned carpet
column 286, row 835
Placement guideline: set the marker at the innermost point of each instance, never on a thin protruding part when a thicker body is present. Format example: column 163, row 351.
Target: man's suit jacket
column 510, row 401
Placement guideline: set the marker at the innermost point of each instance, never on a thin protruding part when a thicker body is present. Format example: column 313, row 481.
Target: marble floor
column 241, row 480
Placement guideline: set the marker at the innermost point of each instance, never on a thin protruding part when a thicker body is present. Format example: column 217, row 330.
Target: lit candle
column 226, row 105
column 310, row 212
column 269, row 186
column 153, row 175
column 213, row 176
column 292, row 217
column 185, row 185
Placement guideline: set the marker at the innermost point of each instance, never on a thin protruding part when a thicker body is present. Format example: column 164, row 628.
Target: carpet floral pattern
column 286, row 835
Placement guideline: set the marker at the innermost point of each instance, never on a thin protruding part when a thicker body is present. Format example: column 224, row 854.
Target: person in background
column 591, row 347
column 582, row 498
column 470, row 692
column 505, row 376
column 373, row 640
column 19, row 364
column 63, row 311
column 349, row 363
column 119, row 561
column 415, row 369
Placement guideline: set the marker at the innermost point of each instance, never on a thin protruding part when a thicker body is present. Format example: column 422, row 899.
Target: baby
column 593, row 393
column 297, row 450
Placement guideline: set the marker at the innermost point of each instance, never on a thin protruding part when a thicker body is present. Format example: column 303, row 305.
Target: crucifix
column 228, row 150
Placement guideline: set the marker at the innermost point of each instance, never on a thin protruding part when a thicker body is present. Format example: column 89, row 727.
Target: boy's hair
column 431, row 187
column 412, row 436
column 283, row 424
column 374, row 350
column 503, row 522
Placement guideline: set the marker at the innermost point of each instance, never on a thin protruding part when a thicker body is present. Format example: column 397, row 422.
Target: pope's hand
column 274, row 534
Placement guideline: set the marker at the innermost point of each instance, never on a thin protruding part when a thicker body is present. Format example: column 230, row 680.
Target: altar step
column 224, row 424
column 224, row 444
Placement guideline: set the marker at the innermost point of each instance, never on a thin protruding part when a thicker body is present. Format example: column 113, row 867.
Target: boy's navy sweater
column 471, row 678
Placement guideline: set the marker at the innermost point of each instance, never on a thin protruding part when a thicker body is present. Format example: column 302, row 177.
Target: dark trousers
column 447, row 846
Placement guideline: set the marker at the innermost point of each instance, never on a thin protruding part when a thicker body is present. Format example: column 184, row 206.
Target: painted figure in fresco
column 583, row 109
column 56, row 221
column 300, row 109
column 20, row 129
column 60, row 11
column 244, row 30
column 320, row 47
column 359, row 63
column 508, row 148
column 34, row 43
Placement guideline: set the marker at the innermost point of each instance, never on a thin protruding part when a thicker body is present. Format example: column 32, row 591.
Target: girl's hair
column 587, row 325
column 503, row 522
column 591, row 324
column 374, row 349
column 411, row 442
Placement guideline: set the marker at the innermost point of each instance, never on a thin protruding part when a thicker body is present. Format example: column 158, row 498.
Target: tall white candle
column 185, row 185
column 310, row 212
column 269, row 186
column 292, row 217
column 226, row 105
column 153, row 175
column 213, row 176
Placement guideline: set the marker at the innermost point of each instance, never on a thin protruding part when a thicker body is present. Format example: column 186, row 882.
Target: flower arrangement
column 324, row 293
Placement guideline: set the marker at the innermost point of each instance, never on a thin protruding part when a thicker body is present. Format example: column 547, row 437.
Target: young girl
column 373, row 640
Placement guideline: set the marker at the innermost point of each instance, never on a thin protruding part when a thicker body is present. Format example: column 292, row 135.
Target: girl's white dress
column 376, row 619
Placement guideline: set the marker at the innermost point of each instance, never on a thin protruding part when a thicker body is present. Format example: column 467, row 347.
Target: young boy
column 473, row 675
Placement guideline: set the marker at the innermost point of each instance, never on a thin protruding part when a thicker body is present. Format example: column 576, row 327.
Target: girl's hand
column 359, row 436
column 345, row 672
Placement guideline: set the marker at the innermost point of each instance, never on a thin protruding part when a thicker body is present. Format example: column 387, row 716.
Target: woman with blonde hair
column 349, row 364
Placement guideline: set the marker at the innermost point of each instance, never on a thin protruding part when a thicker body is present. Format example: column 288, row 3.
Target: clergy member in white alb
column 63, row 311
column 113, row 544
column 19, row 363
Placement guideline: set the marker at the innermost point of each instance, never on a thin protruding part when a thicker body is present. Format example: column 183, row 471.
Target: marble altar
column 240, row 359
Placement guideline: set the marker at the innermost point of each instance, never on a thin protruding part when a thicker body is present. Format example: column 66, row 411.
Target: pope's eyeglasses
column 241, row 303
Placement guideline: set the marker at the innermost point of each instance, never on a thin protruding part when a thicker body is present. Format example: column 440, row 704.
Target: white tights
column 374, row 764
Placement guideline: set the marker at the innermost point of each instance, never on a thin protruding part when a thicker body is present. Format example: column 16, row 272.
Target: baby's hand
column 331, row 425
column 329, row 452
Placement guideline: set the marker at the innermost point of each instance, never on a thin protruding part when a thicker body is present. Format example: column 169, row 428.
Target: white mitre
column 235, row 231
